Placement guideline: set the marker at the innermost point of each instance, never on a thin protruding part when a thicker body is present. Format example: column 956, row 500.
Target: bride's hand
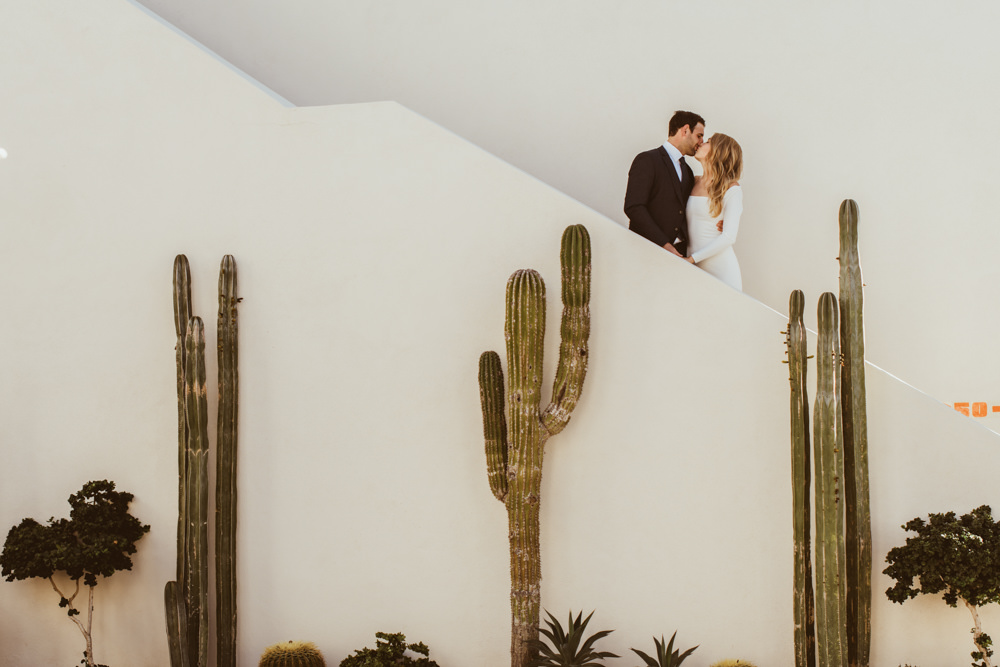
column 690, row 259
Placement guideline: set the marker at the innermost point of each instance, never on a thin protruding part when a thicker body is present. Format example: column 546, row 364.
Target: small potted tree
column 956, row 556
column 97, row 540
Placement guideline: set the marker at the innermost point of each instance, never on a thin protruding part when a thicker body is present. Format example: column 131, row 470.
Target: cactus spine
column 855, row 423
column 292, row 654
column 186, row 599
column 831, row 603
column 225, row 466
column 514, row 455
column 804, row 604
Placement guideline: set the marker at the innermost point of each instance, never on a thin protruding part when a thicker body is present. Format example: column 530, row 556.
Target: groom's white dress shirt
column 676, row 157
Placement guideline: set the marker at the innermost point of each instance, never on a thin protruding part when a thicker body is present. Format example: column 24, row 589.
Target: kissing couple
column 693, row 217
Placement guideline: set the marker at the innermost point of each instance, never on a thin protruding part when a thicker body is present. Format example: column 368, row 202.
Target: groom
column 660, row 182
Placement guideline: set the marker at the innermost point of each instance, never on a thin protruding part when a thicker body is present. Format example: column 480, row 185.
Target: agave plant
column 666, row 655
column 566, row 649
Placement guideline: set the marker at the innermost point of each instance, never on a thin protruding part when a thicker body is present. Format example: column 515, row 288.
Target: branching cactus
column 831, row 604
column 804, row 604
column 225, row 467
column 514, row 449
column 858, row 538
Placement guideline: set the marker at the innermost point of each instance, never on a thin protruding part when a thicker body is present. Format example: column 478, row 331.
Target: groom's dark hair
column 682, row 118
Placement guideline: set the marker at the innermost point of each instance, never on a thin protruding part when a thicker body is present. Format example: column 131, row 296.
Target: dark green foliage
column 958, row 557
column 566, row 649
column 97, row 540
column 666, row 655
column 84, row 661
column 389, row 652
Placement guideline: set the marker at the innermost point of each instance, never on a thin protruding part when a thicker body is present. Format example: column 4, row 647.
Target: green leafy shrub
column 666, row 654
column 97, row 540
column 389, row 652
column 566, row 649
column 956, row 556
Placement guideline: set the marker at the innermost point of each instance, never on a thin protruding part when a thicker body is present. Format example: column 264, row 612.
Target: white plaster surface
column 889, row 103
column 373, row 249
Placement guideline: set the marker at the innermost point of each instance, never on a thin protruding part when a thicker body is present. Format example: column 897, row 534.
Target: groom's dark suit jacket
column 655, row 201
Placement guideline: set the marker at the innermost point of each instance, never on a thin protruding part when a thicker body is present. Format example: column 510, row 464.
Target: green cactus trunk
column 182, row 314
column 196, row 404
column 831, row 606
column 804, row 604
column 176, row 592
column 525, row 332
column 858, row 538
column 514, row 456
column 176, row 624
column 225, row 467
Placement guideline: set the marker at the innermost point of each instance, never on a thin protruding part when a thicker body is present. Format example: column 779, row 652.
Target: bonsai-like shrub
column 97, row 540
column 666, row 654
column 389, row 652
column 566, row 649
column 292, row 654
column 956, row 556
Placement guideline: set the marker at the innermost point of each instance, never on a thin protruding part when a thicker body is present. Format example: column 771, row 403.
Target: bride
column 714, row 209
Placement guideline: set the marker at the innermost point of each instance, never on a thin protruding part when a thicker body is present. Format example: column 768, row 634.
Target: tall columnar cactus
column 831, row 604
column 196, row 559
column 176, row 592
column 182, row 314
column 514, row 455
column 186, row 599
column 292, row 654
column 804, row 604
column 858, row 536
column 225, row 466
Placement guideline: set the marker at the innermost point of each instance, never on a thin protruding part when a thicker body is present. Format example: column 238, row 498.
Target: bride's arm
column 732, row 209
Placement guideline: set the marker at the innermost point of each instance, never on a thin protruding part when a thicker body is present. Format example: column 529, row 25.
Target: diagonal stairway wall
column 373, row 249
column 885, row 103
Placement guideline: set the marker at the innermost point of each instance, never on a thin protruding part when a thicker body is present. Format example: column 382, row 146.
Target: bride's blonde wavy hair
column 725, row 166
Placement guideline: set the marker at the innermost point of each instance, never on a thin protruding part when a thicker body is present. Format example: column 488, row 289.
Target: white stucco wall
column 373, row 249
column 890, row 103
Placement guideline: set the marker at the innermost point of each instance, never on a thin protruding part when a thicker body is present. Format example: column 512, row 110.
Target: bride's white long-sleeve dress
column 713, row 250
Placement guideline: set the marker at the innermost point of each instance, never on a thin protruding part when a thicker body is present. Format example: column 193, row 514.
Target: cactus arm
column 196, row 404
column 575, row 328
column 855, row 421
column 491, row 397
column 524, row 332
column 225, row 467
column 176, row 624
column 182, row 313
column 803, row 597
column 831, row 608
